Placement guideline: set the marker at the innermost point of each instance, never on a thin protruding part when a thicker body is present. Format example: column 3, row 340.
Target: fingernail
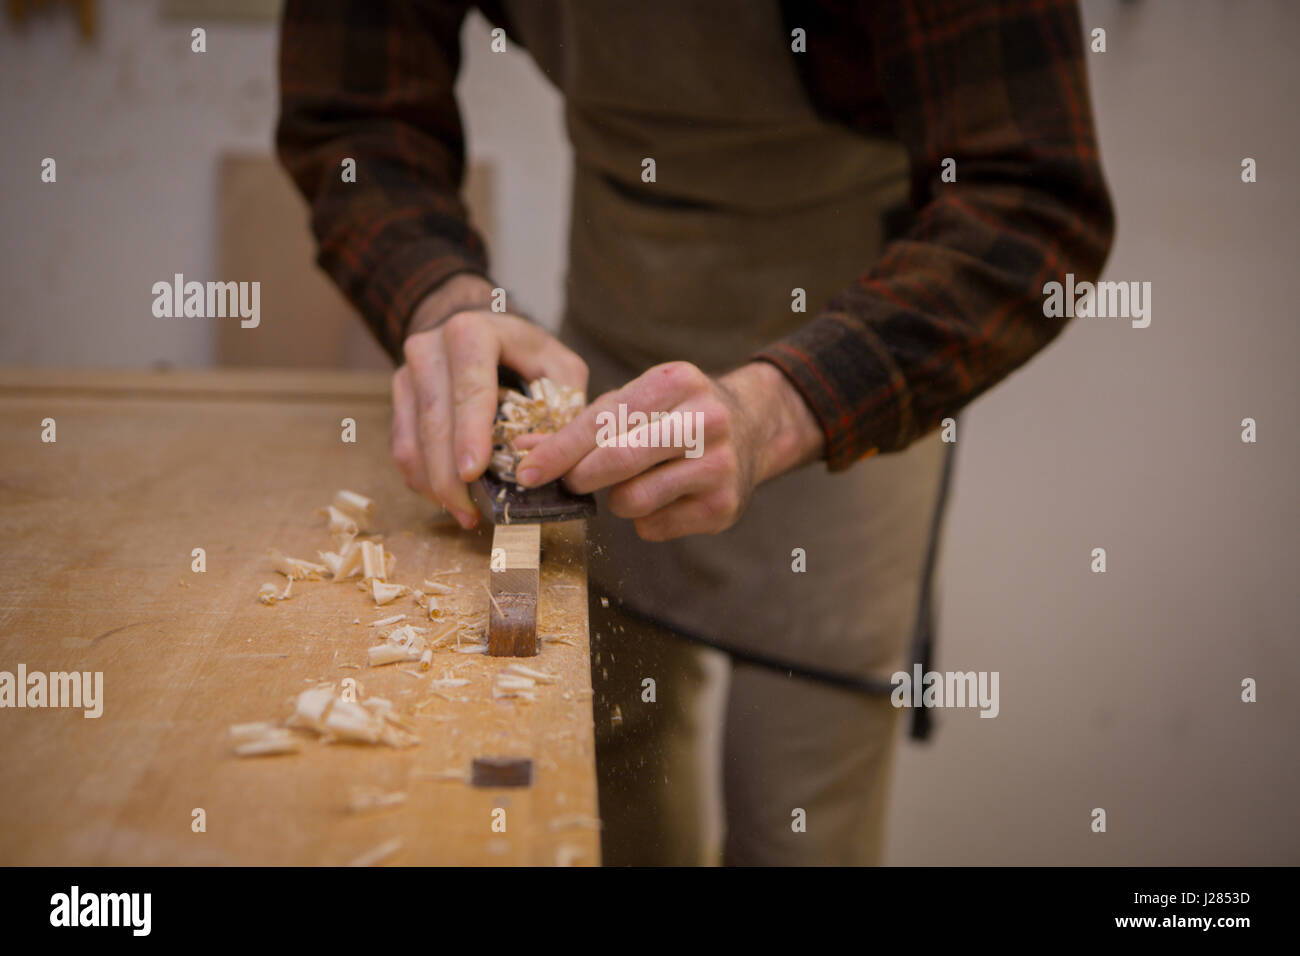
column 528, row 476
column 466, row 466
column 467, row 520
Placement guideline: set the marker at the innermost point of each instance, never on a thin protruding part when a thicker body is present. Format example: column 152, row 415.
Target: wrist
column 786, row 433
column 462, row 292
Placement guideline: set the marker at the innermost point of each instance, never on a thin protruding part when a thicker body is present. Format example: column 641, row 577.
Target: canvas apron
column 754, row 196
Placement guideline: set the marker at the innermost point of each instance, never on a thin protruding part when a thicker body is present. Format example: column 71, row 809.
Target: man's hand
column 445, row 395
column 755, row 426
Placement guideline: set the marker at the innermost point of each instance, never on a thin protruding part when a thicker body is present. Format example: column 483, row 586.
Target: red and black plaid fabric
column 952, row 307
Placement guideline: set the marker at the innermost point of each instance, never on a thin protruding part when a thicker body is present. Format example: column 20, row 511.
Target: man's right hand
column 445, row 394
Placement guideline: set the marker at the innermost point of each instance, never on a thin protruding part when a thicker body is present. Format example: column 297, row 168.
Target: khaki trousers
column 790, row 744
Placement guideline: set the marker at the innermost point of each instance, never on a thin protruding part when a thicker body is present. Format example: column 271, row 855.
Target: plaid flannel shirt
column 952, row 306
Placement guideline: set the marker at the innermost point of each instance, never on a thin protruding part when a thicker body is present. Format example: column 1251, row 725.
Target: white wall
column 136, row 123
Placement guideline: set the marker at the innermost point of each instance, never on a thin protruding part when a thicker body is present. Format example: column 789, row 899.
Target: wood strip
column 515, row 562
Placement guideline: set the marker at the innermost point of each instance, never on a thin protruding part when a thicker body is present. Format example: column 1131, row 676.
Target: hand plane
column 504, row 502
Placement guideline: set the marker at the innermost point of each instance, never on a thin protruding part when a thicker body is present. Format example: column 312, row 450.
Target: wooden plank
column 264, row 236
column 512, row 616
column 95, row 576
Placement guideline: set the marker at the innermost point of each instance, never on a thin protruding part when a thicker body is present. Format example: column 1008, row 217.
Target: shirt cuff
column 852, row 385
column 405, row 277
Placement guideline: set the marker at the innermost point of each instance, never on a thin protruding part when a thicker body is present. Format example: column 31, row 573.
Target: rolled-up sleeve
column 956, row 304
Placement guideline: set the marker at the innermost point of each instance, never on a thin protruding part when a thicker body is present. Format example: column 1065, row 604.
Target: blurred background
column 1118, row 690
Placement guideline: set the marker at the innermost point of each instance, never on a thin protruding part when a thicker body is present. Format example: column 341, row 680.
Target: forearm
column 956, row 305
column 370, row 132
column 786, row 433
column 463, row 292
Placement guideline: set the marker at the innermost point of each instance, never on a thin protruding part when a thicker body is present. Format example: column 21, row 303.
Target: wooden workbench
column 95, row 575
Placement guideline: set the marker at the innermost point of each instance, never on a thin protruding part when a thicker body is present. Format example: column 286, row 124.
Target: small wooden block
column 501, row 772
column 512, row 632
column 513, row 583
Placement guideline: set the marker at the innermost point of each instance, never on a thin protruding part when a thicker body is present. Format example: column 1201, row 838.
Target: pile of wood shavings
column 547, row 408
column 333, row 715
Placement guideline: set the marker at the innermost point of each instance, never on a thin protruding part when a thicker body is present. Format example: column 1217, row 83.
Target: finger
column 630, row 455
column 472, row 350
column 528, row 440
column 534, row 353
column 405, row 443
column 432, row 381
column 695, row 514
column 659, row 487
column 556, row 453
column 659, row 389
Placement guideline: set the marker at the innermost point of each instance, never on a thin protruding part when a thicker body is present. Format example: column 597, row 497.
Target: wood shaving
column 268, row 594
column 385, row 621
column 357, row 507
column 546, row 408
column 448, row 683
column 511, row 682
column 404, row 643
column 378, row 854
column 362, row 799
column 494, row 601
column 374, row 566
column 341, row 524
column 372, row 721
column 440, row 775
column 567, row 854
column 472, row 649
column 344, row 563
column 311, row 707
column 445, row 636
column 251, row 731
column 524, row 671
column 269, row 746
column 262, row 739
column 385, row 593
column 526, row 695
column 436, row 588
column 513, row 685
column 573, row 821
column 391, row 654
column 347, row 720
column 295, row 569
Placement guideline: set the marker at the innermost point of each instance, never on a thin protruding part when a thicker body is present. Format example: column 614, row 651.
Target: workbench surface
column 98, row 531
